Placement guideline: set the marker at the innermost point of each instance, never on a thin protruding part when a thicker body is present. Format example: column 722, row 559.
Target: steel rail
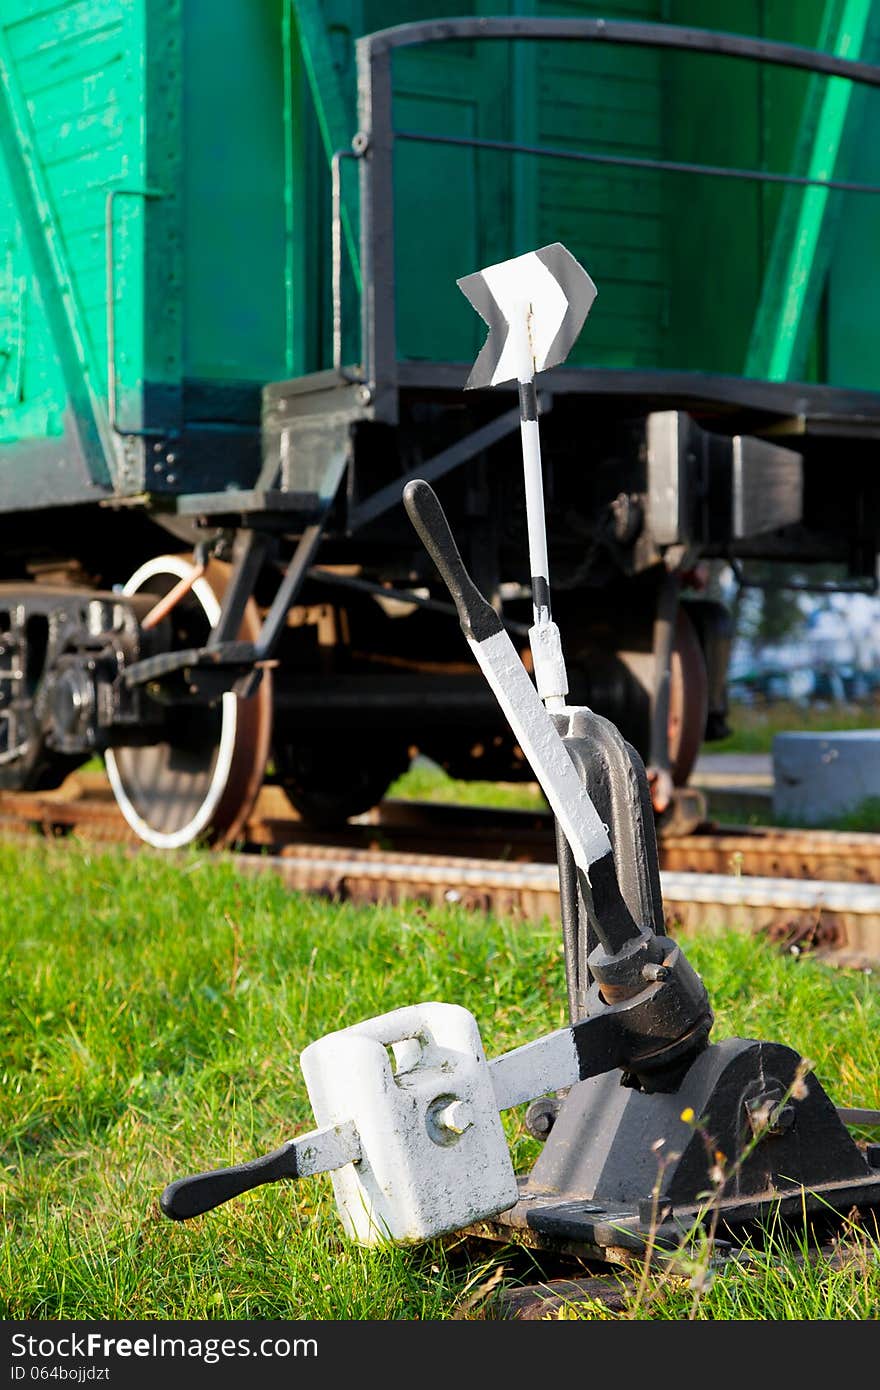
column 831, row 917
column 85, row 802
column 837, row 921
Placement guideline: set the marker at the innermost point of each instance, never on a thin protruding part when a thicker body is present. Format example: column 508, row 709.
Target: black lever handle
column 477, row 617
column 194, row 1195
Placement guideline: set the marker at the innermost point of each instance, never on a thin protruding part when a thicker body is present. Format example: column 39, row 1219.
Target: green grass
column 425, row 781
column 864, row 818
column 152, row 1020
column 754, row 726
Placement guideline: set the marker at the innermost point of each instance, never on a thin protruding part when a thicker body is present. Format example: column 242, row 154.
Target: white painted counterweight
column 817, row 776
column 418, row 1087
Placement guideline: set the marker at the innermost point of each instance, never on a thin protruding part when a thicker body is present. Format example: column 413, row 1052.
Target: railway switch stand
column 636, row 1106
column 408, row 1106
column 642, row 1020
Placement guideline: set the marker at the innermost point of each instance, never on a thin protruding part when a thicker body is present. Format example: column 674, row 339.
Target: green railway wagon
column 230, row 232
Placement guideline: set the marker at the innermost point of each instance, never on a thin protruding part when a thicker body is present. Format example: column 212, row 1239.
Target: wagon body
column 229, row 240
column 144, row 244
column 165, row 215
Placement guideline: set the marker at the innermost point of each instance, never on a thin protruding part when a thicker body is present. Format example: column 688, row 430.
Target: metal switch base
column 620, row 1167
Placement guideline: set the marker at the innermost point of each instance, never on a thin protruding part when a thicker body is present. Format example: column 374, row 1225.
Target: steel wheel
column 688, row 700
column 328, row 780
column 201, row 783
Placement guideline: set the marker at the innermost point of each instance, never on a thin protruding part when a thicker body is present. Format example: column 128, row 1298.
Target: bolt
column 541, row 1116
column 768, row 1117
column 364, row 395
column 407, row 1053
column 655, row 972
column 456, row 1117
column 781, row 1119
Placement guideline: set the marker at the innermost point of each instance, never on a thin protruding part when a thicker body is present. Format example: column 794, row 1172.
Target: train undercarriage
column 207, row 650
column 354, row 690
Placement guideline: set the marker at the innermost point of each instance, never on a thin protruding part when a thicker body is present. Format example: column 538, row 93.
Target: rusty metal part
column 84, row 802
column 505, row 862
column 837, row 921
column 661, row 785
column 529, row 891
column 550, row 1299
column 165, row 605
column 567, row 1287
column 839, row 856
column 688, row 700
column 254, row 732
column 766, row 852
column 685, row 812
column 685, row 706
column 833, row 920
column 511, row 835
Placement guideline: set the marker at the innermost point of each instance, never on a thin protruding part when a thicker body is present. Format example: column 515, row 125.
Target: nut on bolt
column 541, row 1116
column 652, row 971
column 456, row 1117
column 767, row 1116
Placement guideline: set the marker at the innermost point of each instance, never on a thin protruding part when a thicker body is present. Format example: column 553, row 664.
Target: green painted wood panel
column 233, row 180
column 31, row 383
column 807, row 222
column 453, row 204
column 606, row 102
column 768, row 266
column 853, row 299
column 215, row 124
column 71, row 92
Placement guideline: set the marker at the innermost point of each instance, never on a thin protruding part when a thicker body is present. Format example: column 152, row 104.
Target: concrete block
column 819, row 777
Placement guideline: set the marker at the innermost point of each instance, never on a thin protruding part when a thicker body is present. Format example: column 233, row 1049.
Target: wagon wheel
column 688, row 700
column 328, row 780
column 203, row 779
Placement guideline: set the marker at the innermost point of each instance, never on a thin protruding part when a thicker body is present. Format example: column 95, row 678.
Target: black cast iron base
column 620, row 1167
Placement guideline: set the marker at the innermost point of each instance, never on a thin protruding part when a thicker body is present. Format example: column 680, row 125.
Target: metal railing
column 374, row 147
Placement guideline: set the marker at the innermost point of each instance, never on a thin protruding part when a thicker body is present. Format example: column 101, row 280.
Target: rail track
column 816, row 890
